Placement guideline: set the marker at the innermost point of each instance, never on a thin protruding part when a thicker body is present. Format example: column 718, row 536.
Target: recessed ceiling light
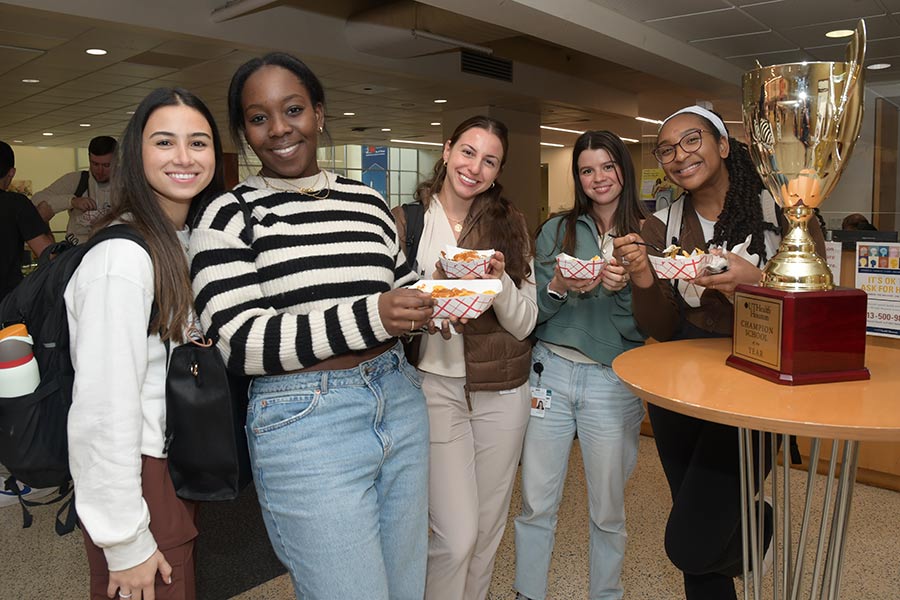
column 879, row 66
column 839, row 33
column 31, row 81
column 84, row 124
column 96, row 51
column 47, row 133
column 575, row 131
column 435, row 123
column 552, row 145
column 349, row 114
column 630, row 140
column 129, row 112
column 440, row 101
column 417, row 142
column 646, row 120
column 385, row 128
column 17, row 141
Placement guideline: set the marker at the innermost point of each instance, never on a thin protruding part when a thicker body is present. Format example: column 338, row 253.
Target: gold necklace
column 457, row 225
column 312, row 192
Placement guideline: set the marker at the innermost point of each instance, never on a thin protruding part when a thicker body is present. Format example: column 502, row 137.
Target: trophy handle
column 856, row 49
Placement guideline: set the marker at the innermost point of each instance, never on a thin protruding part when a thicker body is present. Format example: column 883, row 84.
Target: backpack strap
column 82, row 184
column 414, row 214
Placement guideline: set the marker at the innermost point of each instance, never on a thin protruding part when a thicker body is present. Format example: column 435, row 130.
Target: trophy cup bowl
column 803, row 120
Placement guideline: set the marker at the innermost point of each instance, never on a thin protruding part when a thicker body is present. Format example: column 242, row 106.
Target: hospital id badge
column 540, row 401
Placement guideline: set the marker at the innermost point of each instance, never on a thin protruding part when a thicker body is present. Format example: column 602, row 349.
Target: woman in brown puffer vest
column 476, row 383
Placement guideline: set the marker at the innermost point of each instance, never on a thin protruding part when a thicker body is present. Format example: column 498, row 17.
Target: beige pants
column 474, row 456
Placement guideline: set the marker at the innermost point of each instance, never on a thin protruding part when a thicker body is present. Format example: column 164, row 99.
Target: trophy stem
column 797, row 267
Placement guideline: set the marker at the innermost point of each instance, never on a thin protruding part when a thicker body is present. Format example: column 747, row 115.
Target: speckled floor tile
column 36, row 564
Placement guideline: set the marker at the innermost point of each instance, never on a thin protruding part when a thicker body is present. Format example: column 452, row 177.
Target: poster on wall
column 878, row 274
column 374, row 168
column 657, row 192
column 833, row 258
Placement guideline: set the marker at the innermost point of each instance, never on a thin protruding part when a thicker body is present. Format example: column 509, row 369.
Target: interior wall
column 43, row 166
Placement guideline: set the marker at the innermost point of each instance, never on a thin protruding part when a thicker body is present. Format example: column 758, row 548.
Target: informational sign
column 878, row 274
column 833, row 258
column 374, row 168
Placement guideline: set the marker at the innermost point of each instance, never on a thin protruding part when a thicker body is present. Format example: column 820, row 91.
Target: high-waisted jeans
column 340, row 463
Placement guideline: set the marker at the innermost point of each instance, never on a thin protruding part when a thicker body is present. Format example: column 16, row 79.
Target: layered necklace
column 315, row 191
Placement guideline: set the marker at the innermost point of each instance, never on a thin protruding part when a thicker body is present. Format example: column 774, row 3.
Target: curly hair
column 742, row 214
column 505, row 227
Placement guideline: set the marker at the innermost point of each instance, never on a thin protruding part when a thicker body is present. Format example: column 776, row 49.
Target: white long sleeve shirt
column 118, row 407
column 516, row 308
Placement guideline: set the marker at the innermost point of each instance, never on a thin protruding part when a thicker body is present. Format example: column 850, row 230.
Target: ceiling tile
column 796, row 13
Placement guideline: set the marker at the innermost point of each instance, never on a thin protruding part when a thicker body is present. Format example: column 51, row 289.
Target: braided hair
column 742, row 214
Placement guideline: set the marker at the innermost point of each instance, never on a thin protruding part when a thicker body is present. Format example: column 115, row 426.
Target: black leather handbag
column 206, row 409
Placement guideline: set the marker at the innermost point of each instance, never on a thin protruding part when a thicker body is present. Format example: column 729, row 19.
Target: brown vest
column 495, row 360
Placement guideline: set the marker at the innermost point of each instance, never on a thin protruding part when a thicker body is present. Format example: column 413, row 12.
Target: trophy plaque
column 803, row 120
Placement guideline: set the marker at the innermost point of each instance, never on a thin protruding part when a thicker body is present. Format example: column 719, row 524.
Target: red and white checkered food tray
column 575, row 268
column 681, row 267
column 469, row 307
column 456, row 269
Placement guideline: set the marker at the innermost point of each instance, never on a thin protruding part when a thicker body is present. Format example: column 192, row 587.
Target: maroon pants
column 172, row 525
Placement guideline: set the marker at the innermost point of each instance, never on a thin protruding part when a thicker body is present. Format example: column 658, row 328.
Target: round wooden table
column 690, row 377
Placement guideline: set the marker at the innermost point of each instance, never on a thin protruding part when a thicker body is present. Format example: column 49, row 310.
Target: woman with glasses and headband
column 724, row 204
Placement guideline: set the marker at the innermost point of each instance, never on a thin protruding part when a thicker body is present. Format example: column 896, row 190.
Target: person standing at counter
column 583, row 324
column 724, row 203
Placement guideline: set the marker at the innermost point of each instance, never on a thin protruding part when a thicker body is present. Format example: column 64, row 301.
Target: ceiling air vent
column 476, row 63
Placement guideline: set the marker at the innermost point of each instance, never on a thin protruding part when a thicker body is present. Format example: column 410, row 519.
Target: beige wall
column 43, row 166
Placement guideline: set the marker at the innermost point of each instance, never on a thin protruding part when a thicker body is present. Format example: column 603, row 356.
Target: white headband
column 703, row 112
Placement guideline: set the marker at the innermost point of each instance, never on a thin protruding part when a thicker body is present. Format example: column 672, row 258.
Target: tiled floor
column 36, row 564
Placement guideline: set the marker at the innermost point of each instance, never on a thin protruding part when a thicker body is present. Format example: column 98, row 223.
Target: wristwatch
column 556, row 295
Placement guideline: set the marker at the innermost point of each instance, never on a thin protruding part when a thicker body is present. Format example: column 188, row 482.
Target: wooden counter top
column 691, row 377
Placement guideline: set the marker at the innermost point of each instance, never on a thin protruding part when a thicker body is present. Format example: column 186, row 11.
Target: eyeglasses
column 689, row 142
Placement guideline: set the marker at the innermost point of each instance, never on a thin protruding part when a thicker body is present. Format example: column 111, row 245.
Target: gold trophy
column 803, row 120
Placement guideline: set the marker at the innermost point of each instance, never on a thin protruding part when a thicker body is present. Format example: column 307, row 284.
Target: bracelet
column 556, row 295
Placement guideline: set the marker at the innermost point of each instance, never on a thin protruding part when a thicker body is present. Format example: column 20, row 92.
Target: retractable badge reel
column 540, row 397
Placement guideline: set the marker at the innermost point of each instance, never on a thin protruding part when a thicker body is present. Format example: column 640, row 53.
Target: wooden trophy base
column 795, row 338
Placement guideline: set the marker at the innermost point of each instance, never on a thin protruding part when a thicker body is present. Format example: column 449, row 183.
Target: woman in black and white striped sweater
column 312, row 306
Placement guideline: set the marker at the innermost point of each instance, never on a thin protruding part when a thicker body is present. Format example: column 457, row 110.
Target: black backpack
column 33, row 440
column 414, row 212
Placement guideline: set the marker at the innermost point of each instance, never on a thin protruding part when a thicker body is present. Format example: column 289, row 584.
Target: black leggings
column 703, row 534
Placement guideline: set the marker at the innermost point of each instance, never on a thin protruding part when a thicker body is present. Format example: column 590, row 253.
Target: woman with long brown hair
column 583, row 324
column 476, row 383
column 139, row 535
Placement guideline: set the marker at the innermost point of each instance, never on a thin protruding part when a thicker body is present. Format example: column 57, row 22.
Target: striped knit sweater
column 306, row 287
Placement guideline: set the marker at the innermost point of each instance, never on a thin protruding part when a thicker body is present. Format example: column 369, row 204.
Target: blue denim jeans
column 340, row 463
column 588, row 398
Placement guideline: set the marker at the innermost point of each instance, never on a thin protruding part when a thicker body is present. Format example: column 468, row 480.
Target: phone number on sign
column 884, row 317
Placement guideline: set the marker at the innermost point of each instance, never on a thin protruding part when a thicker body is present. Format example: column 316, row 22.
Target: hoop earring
column 492, row 184
column 321, row 129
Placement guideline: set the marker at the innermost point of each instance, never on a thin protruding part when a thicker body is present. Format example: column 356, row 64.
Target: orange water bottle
column 18, row 369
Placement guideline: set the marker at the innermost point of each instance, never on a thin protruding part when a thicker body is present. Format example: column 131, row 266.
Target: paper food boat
column 575, row 268
column 680, row 267
column 469, row 307
column 456, row 269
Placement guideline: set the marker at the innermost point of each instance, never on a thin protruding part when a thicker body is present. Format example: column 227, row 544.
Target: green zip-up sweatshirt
column 599, row 324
